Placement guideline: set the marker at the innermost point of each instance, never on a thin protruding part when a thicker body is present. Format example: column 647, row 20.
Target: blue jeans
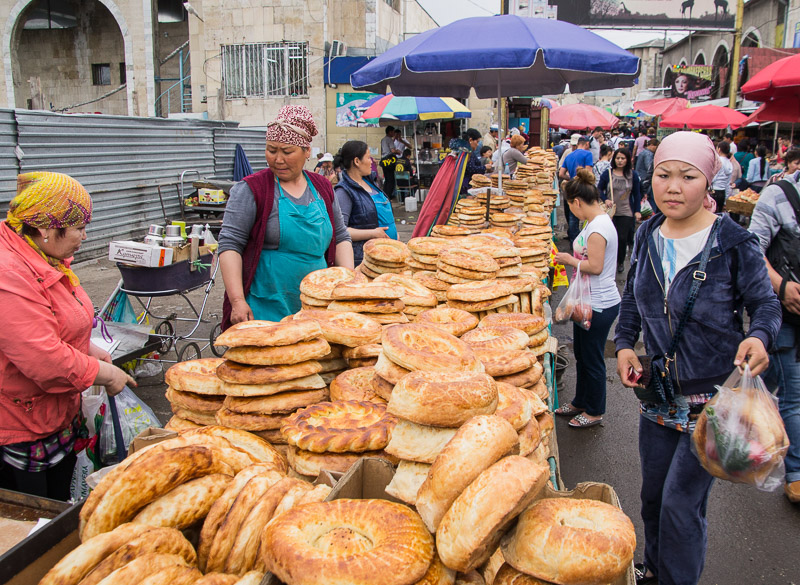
column 573, row 228
column 590, row 363
column 784, row 374
column 674, row 495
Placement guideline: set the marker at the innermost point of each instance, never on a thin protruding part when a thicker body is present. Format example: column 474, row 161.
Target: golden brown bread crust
column 478, row 444
column 478, row 291
column 508, row 575
column 179, row 424
column 218, row 579
column 365, row 351
column 471, row 529
column 235, row 373
column 382, row 387
column 306, row 300
column 131, row 574
column 80, row 561
column 428, row 246
column 267, row 333
column 311, row 464
column 249, row 421
column 407, row 480
column 282, row 403
column 362, row 363
column 539, row 338
column 428, row 279
column 443, row 270
column 555, row 535
column 525, row 378
column 443, row 399
column 483, row 305
column 415, row 293
column 369, row 290
column 147, row 479
column 449, row 231
column 419, row 443
column 376, row 537
column 259, row 449
column 390, row 318
column 279, row 355
column 339, row 427
column 529, row 437
column 355, row 384
column 186, row 504
column 471, row 578
column 312, row 382
column 320, row 283
column 194, row 402
column 198, row 376
column 349, row 329
column 454, row 321
column 386, row 250
column 438, row 574
column 530, row 324
column 496, row 337
column 468, row 259
column 332, row 365
column 174, row 575
column 388, row 370
column 200, row 418
column 425, row 347
column 503, row 362
column 368, row 306
column 451, row 279
column 513, row 405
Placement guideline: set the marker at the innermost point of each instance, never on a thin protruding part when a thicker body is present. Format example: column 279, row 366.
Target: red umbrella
column 661, row 106
column 779, row 110
column 705, row 118
column 581, row 117
column 779, row 79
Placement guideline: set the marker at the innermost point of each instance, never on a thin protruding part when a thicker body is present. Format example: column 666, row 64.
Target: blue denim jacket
column 736, row 279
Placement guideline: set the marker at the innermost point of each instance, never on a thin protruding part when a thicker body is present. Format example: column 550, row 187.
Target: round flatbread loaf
column 368, row 306
column 513, row 405
column 198, row 376
column 459, row 272
column 310, row 464
column 340, row 427
column 312, row 382
column 312, row 302
column 496, row 337
column 449, row 231
column 179, row 424
column 235, row 373
column 361, row 352
column 349, row 329
column 452, row 279
column 548, row 534
column 529, row 437
column 267, row 333
column 417, row 266
column 508, row 575
column 468, row 259
column 383, row 268
column 355, row 384
column 390, row 319
column 483, row 305
column 420, row 443
column 249, row 421
column 454, row 321
column 415, row 292
column 195, row 402
column 504, row 362
column 197, row 417
column 425, row 347
column 369, row 290
column 443, row 399
column 478, row 291
column 364, row 269
column 386, row 250
column 279, row 355
column 530, row 324
column 382, row 387
column 362, row 362
column 428, row 279
column 525, row 378
column 282, row 403
column 320, row 283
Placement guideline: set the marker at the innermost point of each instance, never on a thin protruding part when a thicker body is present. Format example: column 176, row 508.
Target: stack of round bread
column 334, row 435
column 449, row 231
column 334, row 362
column 454, row 321
column 481, row 297
column 535, row 259
column 378, row 300
column 503, row 220
column 526, row 287
column 480, row 181
column 361, row 356
column 432, row 282
column 317, row 286
column 355, row 384
column 194, row 393
column 533, row 236
column 384, row 255
column 470, row 214
column 533, row 325
column 270, row 370
column 459, row 265
column 417, row 297
column 424, row 252
column 546, row 540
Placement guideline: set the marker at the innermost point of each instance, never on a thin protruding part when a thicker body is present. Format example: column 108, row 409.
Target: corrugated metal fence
column 122, row 161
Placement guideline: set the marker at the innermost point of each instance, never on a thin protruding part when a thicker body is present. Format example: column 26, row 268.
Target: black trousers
column 719, row 198
column 624, row 225
column 52, row 483
column 388, row 175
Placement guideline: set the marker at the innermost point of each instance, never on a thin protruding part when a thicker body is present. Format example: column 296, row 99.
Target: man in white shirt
column 598, row 138
column 490, row 138
column 731, row 143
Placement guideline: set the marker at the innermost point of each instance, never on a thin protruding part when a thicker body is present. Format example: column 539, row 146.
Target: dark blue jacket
column 364, row 215
column 636, row 193
column 736, row 279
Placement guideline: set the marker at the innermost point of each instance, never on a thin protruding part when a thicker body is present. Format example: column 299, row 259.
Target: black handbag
column 657, row 382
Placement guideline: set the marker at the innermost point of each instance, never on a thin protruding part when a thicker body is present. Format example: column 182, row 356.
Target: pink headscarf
column 293, row 125
column 692, row 148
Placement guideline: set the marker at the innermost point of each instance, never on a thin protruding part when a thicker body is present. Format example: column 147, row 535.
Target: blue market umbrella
column 241, row 166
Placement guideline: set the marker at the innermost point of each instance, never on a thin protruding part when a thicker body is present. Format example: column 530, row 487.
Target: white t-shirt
column 604, row 289
column 722, row 180
column 676, row 254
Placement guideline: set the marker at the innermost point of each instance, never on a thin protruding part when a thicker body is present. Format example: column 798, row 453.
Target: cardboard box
column 211, row 195
column 139, row 254
column 150, row 436
column 185, row 252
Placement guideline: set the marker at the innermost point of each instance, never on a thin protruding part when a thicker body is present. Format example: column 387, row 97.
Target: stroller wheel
column 166, row 333
column 190, row 351
column 215, row 332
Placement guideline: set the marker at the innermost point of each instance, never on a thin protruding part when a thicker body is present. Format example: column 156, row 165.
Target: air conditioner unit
column 338, row 49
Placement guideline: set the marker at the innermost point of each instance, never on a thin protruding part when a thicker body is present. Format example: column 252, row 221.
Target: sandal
column 640, row 572
column 581, row 422
column 567, row 410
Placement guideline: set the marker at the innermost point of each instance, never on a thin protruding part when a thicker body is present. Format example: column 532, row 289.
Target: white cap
column 573, row 140
column 327, row 157
column 494, row 127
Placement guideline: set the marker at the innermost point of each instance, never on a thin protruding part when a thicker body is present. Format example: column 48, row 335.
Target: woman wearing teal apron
column 280, row 224
column 366, row 210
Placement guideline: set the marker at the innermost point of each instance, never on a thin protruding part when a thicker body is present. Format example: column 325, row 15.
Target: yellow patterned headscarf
column 49, row 200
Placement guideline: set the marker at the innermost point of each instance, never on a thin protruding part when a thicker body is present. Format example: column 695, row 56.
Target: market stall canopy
column 581, row 117
column 780, row 79
column 507, row 54
column 415, row 108
column 661, row 106
column 785, row 109
column 705, row 118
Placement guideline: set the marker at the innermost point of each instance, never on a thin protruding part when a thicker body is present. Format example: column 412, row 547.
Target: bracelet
column 782, row 290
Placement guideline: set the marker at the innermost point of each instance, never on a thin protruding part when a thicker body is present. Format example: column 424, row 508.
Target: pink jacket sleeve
column 30, row 338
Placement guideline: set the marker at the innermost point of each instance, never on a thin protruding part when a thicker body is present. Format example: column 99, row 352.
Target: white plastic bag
column 134, row 417
column 576, row 305
column 740, row 436
column 78, row 489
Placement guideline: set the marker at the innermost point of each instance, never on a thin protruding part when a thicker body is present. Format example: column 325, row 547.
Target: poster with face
column 691, row 82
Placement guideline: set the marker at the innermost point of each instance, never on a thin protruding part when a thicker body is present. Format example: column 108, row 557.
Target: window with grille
column 265, row 69
column 101, row 74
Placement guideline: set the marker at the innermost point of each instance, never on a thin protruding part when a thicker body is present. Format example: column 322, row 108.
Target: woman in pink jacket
column 46, row 356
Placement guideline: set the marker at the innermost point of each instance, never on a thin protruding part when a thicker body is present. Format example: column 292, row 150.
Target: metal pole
column 737, row 49
column 180, row 74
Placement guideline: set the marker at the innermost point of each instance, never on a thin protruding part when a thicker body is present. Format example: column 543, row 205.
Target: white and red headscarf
column 293, row 125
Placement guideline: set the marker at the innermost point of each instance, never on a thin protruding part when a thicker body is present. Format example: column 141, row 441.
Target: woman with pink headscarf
column 683, row 252
column 280, row 224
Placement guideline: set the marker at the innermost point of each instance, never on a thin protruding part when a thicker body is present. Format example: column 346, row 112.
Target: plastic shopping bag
column 134, row 417
column 78, row 489
column 740, row 436
column 577, row 302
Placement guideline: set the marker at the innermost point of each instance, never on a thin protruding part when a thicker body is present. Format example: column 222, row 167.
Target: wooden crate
column 740, row 207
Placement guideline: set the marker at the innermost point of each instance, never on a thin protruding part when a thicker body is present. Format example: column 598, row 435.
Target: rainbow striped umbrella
column 407, row 109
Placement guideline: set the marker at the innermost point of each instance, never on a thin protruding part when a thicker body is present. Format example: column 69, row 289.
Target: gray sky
column 446, row 11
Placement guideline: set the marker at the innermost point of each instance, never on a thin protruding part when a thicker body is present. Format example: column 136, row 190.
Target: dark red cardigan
column 262, row 184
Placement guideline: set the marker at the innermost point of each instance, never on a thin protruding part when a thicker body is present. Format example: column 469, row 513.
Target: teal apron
column 305, row 235
column 384, row 209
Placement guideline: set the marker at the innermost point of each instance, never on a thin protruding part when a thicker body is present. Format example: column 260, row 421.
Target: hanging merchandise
column 577, row 302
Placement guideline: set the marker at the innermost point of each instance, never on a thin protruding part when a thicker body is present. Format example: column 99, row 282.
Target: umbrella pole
column 499, row 158
column 416, row 159
column 791, row 136
column 775, row 139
